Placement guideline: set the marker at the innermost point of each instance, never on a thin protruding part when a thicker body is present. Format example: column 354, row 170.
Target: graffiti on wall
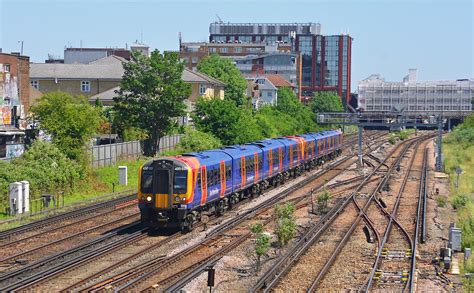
column 8, row 96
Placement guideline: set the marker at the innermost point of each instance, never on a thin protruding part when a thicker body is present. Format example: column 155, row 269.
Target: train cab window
column 147, row 181
column 180, row 181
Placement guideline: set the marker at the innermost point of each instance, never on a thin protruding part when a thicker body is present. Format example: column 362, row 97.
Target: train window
column 198, row 181
column 147, row 182
column 180, row 181
column 228, row 172
column 260, row 163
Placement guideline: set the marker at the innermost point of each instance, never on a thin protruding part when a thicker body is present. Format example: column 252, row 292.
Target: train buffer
column 396, row 254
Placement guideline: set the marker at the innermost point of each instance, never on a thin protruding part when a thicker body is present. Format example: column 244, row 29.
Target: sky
column 390, row 36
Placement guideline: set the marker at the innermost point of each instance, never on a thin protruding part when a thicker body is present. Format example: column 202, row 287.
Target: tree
column 286, row 223
column 226, row 121
column 326, row 102
column 223, row 70
column 262, row 242
column 288, row 103
column 152, row 95
column 70, row 120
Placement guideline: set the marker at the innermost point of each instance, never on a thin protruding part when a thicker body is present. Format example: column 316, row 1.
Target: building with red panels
column 326, row 60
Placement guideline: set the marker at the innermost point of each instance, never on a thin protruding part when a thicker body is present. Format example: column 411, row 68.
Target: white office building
column 449, row 98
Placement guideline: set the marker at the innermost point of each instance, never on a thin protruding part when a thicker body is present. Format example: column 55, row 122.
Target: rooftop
column 105, row 68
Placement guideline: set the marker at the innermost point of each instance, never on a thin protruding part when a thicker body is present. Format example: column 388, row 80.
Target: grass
column 99, row 182
column 462, row 197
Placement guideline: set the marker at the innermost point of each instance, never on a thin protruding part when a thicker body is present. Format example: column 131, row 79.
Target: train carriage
column 176, row 191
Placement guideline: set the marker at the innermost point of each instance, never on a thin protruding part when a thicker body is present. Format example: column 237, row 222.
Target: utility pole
column 439, row 159
column 359, row 151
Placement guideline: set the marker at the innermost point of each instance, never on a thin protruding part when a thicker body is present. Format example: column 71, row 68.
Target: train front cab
column 164, row 192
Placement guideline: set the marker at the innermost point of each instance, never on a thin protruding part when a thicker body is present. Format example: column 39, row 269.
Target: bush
column 391, row 138
column 441, row 201
column 286, row 223
column 403, row 134
column 262, row 242
column 45, row 167
column 195, row 141
column 460, row 200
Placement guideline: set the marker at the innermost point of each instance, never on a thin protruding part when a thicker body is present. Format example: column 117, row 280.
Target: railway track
column 53, row 221
column 46, row 275
column 377, row 208
column 392, row 268
column 121, row 278
column 272, row 278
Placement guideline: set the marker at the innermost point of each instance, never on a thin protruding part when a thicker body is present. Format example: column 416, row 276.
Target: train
column 176, row 191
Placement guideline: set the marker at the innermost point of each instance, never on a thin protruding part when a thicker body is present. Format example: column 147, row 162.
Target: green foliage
column 262, row 242
column 322, row 200
column 289, row 104
column 463, row 134
column 326, row 102
column 257, row 228
column 45, row 167
column 403, row 134
column 151, row 95
column 392, row 138
column 70, row 120
column 441, row 201
column 286, row 223
column 460, row 200
column 195, row 141
column 229, row 123
column 224, row 70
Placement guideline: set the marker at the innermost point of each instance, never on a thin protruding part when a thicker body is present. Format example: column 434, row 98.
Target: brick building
column 14, row 103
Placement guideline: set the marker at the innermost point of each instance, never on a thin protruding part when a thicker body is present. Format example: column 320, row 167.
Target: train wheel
column 188, row 224
column 220, row 208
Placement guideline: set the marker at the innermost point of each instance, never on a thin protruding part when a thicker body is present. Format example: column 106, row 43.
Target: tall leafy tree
column 70, row 120
column 226, row 121
column 326, row 102
column 288, row 103
column 223, row 70
column 151, row 95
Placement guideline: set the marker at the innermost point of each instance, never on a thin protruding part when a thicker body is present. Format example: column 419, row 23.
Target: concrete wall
column 74, row 86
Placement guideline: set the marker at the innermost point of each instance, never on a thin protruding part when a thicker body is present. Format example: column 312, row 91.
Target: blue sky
column 389, row 36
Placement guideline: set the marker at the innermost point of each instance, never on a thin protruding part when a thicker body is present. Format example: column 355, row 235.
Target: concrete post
column 359, row 151
column 123, row 175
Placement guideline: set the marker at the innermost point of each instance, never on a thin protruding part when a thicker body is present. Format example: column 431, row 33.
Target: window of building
column 195, row 59
column 85, row 86
column 269, row 94
column 202, row 89
column 238, row 50
column 212, row 50
column 35, row 84
column 6, row 67
column 223, row 50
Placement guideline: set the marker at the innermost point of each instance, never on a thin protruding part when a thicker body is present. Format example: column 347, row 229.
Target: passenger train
column 177, row 191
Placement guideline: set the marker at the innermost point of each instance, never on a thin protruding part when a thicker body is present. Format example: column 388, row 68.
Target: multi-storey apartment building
column 449, row 98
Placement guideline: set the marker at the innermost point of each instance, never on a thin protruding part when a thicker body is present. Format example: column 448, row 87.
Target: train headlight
column 183, row 200
column 148, row 198
column 178, row 199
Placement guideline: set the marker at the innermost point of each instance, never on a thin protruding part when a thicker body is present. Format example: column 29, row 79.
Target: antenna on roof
column 220, row 20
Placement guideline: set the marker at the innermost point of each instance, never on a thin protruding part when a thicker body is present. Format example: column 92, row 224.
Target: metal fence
column 109, row 154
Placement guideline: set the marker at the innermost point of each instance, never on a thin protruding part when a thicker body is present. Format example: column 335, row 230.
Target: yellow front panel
column 161, row 201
